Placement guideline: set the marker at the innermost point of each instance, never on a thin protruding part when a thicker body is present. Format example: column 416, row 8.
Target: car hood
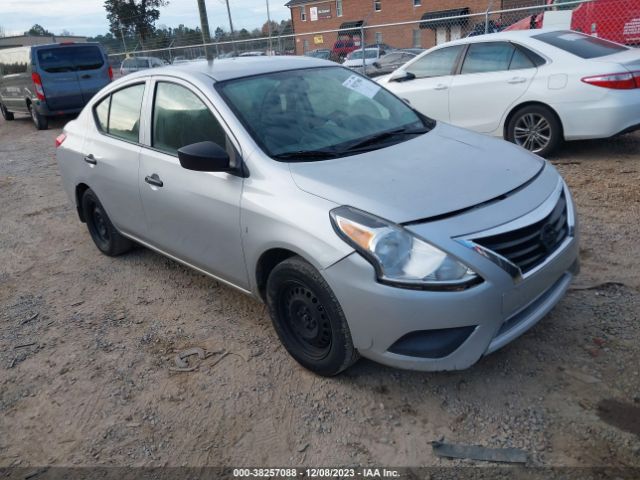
column 445, row 170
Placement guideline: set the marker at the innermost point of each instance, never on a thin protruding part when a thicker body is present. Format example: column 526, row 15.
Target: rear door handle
column 86, row 75
column 441, row 86
column 154, row 180
column 517, row 80
column 90, row 159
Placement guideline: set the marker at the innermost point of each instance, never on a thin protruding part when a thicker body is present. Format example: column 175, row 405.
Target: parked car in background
column 415, row 51
column 535, row 88
column 472, row 242
column 609, row 19
column 323, row 53
column 256, row 53
column 344, row 45
column 179, row 59
column 50, row 80
column 389, row 62
column 135, row 64
column 355, row 60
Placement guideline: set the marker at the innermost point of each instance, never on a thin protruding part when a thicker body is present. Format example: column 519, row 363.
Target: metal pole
column 269, row 27
column 235, row 50
column 204, row 25
column 124, row 44
column 364, row 63
column 486, row 17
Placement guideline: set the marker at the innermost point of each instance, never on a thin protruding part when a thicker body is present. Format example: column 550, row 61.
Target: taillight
column 37, row 83
column 617, row 81
column 59, row 139
column 110, row 73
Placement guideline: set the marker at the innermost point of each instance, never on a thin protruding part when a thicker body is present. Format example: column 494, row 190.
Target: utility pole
column 124, row 44
column 269, row 27
column 235, row 50
column 204, row 25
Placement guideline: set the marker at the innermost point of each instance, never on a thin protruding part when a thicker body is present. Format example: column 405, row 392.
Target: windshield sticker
column 362, row 86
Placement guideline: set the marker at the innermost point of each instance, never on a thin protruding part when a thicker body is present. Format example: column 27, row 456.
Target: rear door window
column 488, row 57
column 436, row 64
column 119, row 113
column 70, row 58
column 583, row 46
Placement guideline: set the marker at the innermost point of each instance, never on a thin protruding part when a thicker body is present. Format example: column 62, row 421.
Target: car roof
column 504, row 35
column 229, row 68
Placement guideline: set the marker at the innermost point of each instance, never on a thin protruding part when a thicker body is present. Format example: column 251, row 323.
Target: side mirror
column 204, row 157
column 401, row 76
column 376, row 64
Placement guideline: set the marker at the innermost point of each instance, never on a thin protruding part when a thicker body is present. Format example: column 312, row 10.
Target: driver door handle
column 440, row 86
column 154, row 180
column 90, row 159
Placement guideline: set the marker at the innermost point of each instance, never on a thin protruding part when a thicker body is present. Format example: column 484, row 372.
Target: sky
column 88, row 17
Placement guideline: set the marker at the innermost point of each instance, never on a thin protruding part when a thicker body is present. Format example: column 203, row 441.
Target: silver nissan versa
column 368, row 229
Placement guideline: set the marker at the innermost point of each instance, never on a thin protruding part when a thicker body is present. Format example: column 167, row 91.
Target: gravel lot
column 87, row 342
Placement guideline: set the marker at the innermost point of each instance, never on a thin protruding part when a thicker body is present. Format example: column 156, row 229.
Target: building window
column 417, row 3
column 303, row 15
column 378, row 38
column 377, row 5
column 338, row 8
column 417, row 38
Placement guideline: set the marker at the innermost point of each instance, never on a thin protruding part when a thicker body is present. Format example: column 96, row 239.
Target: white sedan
column 535, row 88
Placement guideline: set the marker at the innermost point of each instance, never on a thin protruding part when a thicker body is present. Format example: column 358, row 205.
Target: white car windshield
column 320, row 113
column 357, row 54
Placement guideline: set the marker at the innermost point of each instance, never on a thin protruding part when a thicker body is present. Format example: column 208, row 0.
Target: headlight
column 398, row 256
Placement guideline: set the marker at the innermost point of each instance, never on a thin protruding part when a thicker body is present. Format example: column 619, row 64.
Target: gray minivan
column 50, row 80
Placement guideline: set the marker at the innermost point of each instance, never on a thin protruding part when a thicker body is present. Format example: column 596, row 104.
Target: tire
column 40, row 121
column 6, row 114
column 535, row 128
column 108, row 240
column 308, row 318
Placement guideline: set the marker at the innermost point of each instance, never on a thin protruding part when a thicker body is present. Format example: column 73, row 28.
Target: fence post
column 486, row 17
column 364, row 63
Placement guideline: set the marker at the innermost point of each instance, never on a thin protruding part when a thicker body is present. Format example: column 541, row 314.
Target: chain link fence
column 381, row 48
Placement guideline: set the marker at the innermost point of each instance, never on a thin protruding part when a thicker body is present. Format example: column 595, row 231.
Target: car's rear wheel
column 108, row 240
column 40, row 121
column 308, row 318
column 6, row 114
column 535, row 128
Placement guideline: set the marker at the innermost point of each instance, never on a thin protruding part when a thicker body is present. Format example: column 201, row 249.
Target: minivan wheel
column 40, row 121
column 108, row 240
column 308, row 318
column 6, row 114
column 535, row 128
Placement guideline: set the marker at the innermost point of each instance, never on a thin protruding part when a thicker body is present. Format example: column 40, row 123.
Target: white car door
column 492, row 78
column 427, row 87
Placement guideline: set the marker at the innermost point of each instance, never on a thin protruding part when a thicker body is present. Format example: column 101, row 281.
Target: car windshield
column 70, row 58
column 318, row 113
column 583, row 46
column 357, row 55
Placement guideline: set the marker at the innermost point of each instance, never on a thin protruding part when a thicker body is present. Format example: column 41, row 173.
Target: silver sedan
column 367, row 228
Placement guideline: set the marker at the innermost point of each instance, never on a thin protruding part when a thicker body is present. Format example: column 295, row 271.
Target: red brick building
column 347, row 16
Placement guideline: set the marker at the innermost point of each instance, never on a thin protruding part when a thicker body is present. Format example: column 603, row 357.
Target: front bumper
column 500, row 309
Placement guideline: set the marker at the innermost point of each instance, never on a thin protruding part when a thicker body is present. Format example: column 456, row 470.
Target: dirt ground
column 87, row 342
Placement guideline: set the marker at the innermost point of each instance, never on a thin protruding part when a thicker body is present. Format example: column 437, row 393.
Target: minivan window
column 180, row 118
column 318, row 113
column 124, row 114
column 436, row 64
column 14, row 61
column 583, row 46
column 487, row 57
column 70, row 58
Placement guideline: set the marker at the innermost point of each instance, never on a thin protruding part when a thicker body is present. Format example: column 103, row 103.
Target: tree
column 136, row 17
column 38, row 30
column 275, row 28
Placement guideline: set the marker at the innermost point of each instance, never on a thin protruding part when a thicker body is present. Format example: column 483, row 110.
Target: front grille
column 529, row 246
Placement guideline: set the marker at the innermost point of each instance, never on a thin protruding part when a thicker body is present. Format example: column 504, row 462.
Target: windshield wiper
column 306, row 155
column 382, row 136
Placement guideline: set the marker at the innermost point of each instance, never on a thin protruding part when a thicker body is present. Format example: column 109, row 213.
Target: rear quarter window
column 583, row 46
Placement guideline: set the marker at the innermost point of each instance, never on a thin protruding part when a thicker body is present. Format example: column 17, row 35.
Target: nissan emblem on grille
column 548, row 236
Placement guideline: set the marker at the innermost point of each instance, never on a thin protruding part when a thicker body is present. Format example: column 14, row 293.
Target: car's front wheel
column 535, row 128
column 108, row 240
column 40, row 121
column 6, row 114
column 308, row 318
